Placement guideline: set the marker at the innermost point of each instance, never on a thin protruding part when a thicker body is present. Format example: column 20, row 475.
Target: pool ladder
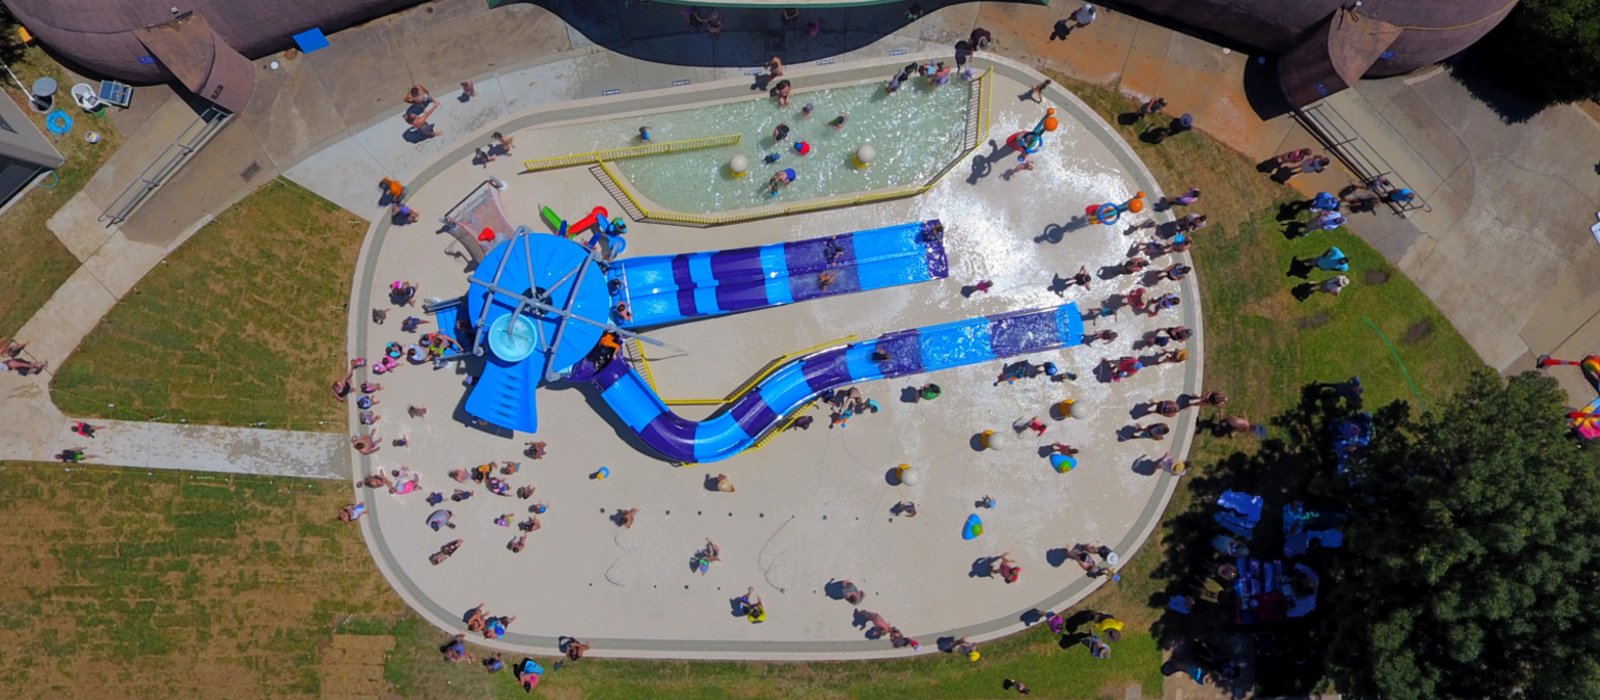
column 617, row 193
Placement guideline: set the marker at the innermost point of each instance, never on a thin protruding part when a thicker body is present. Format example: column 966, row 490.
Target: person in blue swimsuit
column 780, row 180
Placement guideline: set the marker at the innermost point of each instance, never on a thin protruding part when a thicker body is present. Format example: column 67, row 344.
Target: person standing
column 1037, row 93
column 573, row 648
column 1334, row 285
column 980, row 39
column 1082, row 17
column 1010, row 684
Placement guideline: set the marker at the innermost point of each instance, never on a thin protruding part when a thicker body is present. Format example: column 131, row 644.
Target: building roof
column 119, row 38
column 201, row 60
column 20, row 139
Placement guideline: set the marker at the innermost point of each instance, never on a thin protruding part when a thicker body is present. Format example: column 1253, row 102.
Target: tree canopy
column 1553, row 48
column 1473, row 554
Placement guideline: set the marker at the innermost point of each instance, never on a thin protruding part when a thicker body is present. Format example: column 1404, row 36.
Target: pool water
column 916, row 132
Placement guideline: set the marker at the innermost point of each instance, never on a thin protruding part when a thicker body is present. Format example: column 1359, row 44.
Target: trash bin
column 43, row 95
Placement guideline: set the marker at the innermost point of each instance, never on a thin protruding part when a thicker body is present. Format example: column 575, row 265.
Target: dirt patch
column 1315, row 320
column 1418, row 332
column 351, row 666
column 1375, row 277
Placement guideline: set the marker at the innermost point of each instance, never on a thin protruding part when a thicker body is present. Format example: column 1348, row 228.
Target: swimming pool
column 916, row 132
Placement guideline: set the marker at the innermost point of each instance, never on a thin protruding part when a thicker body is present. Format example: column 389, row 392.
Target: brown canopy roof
column 200, row 60
column 1334, row 56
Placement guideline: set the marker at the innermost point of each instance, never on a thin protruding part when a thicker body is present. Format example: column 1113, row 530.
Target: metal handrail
column 1337, row 135
column 165, row 165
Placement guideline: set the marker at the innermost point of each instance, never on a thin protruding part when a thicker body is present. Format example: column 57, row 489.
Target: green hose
column 1393, row 351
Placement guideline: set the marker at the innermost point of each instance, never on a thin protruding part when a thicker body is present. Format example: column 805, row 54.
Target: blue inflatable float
column 1064, row 463
column 972, row 528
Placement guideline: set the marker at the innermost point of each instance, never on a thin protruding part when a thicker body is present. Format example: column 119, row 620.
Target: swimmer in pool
column 780, row 180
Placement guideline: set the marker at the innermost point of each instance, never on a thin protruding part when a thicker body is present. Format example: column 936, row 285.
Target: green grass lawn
column 166, row 584
column 415, row 670
column 36, row 262
column 243, row 325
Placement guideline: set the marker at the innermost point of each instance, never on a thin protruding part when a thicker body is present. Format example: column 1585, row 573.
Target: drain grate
column 252, row 171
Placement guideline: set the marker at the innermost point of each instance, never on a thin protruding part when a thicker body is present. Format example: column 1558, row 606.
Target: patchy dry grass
column 166, row 584
column 242, row 325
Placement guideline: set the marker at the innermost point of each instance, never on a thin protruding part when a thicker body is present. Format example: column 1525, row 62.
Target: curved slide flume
column 664, row 289
column 791, row 386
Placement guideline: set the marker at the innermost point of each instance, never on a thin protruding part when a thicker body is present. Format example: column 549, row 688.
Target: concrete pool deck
column 811, row 505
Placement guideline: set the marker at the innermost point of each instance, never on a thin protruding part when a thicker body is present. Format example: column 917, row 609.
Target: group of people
column 419, row 111
column 12, row 352
column 847, row 404
column 1104, row 629
column 436, row 348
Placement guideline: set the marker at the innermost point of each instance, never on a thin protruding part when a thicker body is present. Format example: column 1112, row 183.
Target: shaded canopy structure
column 204, row 44
column 201, row 60
column 1325, row 44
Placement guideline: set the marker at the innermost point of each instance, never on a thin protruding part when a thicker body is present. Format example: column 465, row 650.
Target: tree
column 1473, row 554
column 1552, row 48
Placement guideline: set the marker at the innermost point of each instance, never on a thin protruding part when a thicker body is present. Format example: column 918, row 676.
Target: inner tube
column 58, row 122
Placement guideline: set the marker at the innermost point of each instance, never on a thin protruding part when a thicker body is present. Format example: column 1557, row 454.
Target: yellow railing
column 650, row 377
column 986, row 88
column 623, row 188
column 774, row 432
column 592, row 157
column 984, row 85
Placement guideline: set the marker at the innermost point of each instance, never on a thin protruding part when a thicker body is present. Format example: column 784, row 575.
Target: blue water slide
column 792, row 385
column 572, row 279
column 664, row 289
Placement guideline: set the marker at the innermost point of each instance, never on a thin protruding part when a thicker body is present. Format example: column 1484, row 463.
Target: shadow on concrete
column 983, row 567
column 983, row 165
column 656, row 31
column 1476, row 71
column 1055, row 233
column 1145, row 465
column 1056, row 556
column 1262, row 91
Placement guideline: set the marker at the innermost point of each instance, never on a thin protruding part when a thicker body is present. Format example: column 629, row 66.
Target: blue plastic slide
column 663, row 289
column 764, row 406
